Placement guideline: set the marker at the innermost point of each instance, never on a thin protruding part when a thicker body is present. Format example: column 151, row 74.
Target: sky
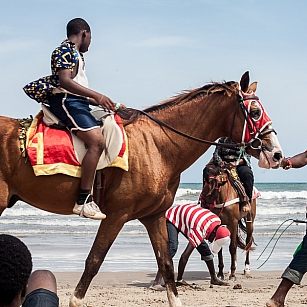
column 144, row 52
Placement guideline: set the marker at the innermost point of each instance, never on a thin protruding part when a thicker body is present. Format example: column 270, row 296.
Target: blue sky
column 143, row 52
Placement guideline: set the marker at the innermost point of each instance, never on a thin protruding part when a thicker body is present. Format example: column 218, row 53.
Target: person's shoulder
column 65, row 46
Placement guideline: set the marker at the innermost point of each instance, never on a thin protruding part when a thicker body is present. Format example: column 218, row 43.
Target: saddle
column 237, row 185
column 53, row 151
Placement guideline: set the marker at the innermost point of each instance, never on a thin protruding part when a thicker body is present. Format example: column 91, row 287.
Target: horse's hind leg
column 220, row 273
column 156, row 228
column 249, row 237
column 107, row 233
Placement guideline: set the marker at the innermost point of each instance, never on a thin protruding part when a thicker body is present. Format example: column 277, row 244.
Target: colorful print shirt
column 64, row 56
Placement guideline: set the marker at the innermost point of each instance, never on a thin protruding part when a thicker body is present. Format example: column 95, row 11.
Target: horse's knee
column 75, row 302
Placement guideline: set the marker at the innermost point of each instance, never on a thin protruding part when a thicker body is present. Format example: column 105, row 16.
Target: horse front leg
column 156, row 228
column 233, row 254
column 107, row 233
column 220, row 273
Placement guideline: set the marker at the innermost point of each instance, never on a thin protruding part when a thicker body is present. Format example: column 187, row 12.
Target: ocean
column 62, row 243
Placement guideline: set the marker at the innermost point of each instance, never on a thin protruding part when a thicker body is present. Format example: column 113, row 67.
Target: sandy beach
column 130, row 289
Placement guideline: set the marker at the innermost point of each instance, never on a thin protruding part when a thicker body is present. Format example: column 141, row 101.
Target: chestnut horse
column 225, row 200
column 157, row 157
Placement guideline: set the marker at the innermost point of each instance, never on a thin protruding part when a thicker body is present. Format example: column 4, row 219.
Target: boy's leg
column 246, row 176
column 278, row 299
column 293, row 274
column 207, row 256
column 96, row 144
column 42, row 290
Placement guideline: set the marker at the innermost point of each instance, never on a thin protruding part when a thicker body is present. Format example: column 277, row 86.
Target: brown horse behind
column 157, row 157
column 228, row 209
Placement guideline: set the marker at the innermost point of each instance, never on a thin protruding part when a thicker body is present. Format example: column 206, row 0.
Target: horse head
column 213, row 180
column 258, row 135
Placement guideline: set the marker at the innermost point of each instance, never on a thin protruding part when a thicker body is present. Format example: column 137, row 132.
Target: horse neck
column 205, row 118
column 227, row 193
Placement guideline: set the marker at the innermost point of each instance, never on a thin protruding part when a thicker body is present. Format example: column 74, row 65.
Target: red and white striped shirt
column 195, row 222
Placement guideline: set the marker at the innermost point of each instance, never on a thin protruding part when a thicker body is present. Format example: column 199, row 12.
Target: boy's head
column 15, row 269
column 222, row 236
column 78, row 27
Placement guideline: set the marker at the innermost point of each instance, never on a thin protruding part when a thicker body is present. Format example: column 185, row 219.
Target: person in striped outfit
column 196, row 224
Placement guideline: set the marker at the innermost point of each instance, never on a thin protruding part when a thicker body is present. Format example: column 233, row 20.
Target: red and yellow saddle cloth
column 51, row 151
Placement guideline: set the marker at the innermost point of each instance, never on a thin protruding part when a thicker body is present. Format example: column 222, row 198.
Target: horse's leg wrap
column 75, row 302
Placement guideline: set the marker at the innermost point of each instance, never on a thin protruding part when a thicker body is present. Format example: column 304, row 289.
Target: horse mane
column 130, row 115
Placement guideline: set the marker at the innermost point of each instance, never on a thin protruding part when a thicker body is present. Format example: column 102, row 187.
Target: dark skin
column 278, row 298
column 92, row 138
column 156, row 285
column 40, row 279
column 210, row 264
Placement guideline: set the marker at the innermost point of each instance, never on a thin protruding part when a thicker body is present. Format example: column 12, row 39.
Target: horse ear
column 244, row 82
column 252, row 88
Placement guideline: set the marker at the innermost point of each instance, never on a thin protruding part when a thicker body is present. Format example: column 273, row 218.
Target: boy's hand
column 106, row 103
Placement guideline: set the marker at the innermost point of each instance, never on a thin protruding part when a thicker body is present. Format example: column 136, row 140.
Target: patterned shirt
column 229, row 154
column 195, row 222
column 64, row 56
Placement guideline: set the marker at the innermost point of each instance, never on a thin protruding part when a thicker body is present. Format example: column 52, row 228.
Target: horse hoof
column 233, row 278
column 75, row 302
column 247, row 272
column 221, row 277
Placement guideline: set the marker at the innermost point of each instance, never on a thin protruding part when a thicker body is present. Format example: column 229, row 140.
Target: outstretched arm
column 297, row 161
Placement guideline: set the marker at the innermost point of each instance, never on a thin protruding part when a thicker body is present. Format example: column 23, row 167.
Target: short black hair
column 76, row 25
column 15, row 268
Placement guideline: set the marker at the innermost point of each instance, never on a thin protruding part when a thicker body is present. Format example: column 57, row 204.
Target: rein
column 192, row 137
column 255, row 143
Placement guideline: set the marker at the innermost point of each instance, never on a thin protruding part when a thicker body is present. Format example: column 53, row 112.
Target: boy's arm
column 95, row 98
column 184, row 260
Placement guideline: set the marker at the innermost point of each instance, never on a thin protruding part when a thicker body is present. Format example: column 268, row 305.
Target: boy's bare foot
column 157, row 287
column 218, row 282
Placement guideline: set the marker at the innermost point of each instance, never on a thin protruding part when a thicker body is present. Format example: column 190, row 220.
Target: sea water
column 62, row 243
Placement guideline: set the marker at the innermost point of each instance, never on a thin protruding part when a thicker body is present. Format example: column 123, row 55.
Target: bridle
column 256, row 139
column 254, row 143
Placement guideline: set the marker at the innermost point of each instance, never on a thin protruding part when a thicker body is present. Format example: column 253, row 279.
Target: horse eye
column 255, row 114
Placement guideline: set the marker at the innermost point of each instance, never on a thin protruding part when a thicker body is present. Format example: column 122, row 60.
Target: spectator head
column 15, row 269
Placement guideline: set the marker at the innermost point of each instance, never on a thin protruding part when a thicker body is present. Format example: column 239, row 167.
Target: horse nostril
column 277, row 155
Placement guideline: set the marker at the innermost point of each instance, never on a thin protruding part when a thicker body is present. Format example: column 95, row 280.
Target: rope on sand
column 293, row 221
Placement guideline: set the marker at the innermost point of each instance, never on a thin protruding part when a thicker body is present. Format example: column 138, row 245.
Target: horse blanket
column 53, row 151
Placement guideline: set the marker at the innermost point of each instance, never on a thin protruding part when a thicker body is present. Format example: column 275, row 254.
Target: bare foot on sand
column 157, row 287
column 219, row 282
